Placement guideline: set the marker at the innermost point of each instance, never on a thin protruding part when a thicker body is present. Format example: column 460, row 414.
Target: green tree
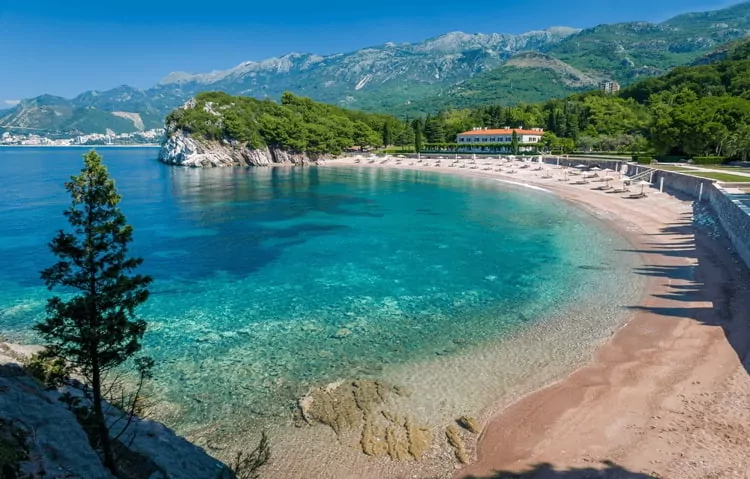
column 95, row 328
column 404, row 136
column 514, row 143
column 417, row 125
column 365, row 136
column 387, row 140
column 434, row 131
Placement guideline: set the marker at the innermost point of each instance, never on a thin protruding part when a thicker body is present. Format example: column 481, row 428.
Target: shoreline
column 635, row 402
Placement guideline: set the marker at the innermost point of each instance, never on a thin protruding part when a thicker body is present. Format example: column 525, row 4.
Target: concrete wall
column 732, row 213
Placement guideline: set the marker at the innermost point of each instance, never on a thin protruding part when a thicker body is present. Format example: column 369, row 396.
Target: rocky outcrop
column 46, row 440
column 181, row 149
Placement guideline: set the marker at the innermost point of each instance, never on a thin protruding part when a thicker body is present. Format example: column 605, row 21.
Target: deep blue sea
column 269, row 281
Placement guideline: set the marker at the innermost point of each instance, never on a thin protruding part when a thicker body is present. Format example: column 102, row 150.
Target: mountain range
column 452, row 70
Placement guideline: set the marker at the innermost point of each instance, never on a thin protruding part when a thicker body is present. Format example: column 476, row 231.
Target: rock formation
column 183, row 150
column 45, row 440
column 359, row 408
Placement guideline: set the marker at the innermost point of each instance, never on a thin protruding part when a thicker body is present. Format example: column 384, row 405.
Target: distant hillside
column 88, row 113
column 529, row 77
column 453, row 69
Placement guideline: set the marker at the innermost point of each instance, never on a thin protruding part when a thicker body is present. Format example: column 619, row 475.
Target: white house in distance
column 483, row 139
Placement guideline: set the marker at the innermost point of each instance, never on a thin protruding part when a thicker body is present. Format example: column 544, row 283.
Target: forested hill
column 699, row 110
column 296, row 124
column 451, row 70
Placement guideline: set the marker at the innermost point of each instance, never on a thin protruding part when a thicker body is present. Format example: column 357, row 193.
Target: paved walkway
column 712, row 170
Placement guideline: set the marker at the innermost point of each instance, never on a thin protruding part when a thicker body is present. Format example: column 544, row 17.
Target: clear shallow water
column 257, row 270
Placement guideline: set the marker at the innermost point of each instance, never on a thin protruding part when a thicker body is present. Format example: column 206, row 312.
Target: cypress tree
column 95, row 328
column 514, row 143
column 417, row 125
column 386, row 135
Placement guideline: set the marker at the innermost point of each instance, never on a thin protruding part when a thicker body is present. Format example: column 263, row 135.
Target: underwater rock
column 394, row 418
column 398, row 442
column 347, row 406
column 343, row 405
column 373, row 438
column 455, row 440
column 469, row 423
column 342, row 333
column 419, row 437
column 369, row 394
column 401, row 391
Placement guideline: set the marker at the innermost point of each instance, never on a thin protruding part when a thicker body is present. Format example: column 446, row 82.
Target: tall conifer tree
column 95, row 327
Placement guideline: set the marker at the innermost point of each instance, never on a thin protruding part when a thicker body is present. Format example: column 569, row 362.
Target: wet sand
column 669, row 395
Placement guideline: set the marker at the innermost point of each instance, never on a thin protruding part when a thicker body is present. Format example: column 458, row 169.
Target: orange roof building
column 502, row 132
column 482, row 139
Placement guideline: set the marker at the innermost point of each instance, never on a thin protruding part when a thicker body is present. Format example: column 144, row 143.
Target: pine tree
column 433, row 130
column 95, row 328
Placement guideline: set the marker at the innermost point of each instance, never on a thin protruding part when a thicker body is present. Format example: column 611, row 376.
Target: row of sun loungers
column 585, row 177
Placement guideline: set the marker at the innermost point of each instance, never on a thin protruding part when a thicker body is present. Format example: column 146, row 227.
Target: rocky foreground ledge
column 42, row 435
column 183, row 150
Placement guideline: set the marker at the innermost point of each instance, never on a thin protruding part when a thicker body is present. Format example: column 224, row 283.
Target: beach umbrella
column 580, row 166
column 608, row 171
column 596, row 168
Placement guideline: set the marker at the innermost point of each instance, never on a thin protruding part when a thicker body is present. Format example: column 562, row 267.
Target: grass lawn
column 678, row 169
column 725, row 167
column 721, row 177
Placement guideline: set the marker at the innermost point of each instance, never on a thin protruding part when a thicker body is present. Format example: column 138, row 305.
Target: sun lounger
column 635, row 196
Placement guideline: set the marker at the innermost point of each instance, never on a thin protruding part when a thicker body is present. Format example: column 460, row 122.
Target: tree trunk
column 101, row 425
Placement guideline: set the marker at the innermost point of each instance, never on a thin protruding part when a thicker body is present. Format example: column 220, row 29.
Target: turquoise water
column 269, row 281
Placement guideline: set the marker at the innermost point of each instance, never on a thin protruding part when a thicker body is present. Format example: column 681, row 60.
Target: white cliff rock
column 56, row 444
column 57, row 447
column 180, row 149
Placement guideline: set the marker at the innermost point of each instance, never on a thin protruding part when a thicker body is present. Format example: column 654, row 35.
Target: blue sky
column 66, row 47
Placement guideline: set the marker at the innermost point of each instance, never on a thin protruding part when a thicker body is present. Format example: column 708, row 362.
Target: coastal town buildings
column 500, row 140
column 136, row 138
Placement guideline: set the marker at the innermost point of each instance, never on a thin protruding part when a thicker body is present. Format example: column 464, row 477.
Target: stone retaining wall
column 727, row 203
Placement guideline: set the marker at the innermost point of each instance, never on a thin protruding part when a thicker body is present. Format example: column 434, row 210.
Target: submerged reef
column 362, row 409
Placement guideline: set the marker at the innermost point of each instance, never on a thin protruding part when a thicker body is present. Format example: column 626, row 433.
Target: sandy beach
column 669, row 395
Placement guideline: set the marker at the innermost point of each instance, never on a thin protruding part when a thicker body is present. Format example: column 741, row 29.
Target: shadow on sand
column 719, row 280
column 607, row 470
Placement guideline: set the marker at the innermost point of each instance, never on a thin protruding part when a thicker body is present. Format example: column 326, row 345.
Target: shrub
column 247, row 466
column 12, row 450
column 643, row 160
column 709, row 160
column 671, row 159
column 49, row 370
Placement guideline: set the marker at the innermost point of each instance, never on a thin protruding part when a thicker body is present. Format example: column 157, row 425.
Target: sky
column 67, row 47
